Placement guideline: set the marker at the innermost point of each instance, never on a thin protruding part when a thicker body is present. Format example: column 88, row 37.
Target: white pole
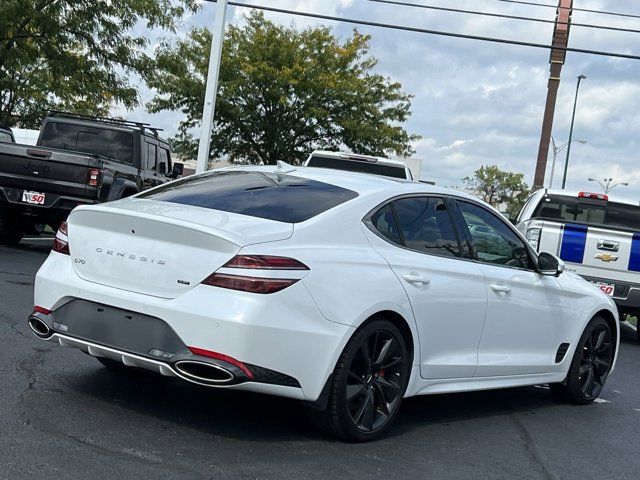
column 553, row 165
column 217, row 37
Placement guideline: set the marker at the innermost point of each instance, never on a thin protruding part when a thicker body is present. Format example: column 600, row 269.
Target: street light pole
column 211, row 90
column 556, row 151
column 606, row 186
column 573, row 117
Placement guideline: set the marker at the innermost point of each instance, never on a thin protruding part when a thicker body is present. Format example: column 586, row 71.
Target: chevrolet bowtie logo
column 606, row 257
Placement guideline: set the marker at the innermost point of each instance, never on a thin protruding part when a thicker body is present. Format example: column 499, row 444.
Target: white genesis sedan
column 345, row 290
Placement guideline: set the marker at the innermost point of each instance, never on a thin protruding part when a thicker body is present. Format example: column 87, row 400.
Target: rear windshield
column 589, row 211
column 94, row 141
column 283, row 198
column 358, row 166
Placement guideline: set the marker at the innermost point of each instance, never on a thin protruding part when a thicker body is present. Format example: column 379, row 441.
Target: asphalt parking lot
column 62, row 415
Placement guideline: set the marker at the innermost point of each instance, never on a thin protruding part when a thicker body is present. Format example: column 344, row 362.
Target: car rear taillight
column 93, row 177
column 61, row 242
column 595, row 196
column 265, row 262
column 262, row 283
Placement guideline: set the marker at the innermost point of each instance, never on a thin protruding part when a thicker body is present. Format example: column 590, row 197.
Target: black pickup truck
column 77, row 160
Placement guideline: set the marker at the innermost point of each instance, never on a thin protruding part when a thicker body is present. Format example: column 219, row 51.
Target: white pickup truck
column 407, row 168
column 597, row 236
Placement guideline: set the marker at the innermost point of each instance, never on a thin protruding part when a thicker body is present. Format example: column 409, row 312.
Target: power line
column 576, row 9
column 502, row 15
column 425, row 31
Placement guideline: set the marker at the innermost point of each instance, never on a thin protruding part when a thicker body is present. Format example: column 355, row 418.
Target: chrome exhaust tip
column 204, row 373
column 39, row 327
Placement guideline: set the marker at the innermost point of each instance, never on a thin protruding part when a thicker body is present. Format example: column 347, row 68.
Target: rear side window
column 357, row 166
column 587, row 210
column 6, row 137
column 385, row 223
column 283, row 198
column 151, row 156
column 423, row 224
column 94, row 141
column 426, row 226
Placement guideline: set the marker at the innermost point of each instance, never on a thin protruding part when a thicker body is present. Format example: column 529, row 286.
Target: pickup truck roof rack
column 114, row 121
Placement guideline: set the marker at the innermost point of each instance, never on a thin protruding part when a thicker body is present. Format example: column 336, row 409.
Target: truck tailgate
column 601, row 252
column 44, row 170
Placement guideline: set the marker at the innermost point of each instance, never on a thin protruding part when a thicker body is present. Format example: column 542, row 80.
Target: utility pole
column 557, row 58
column 211, row 90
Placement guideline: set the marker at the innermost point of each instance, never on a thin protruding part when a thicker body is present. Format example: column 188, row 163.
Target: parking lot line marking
column 601, row 400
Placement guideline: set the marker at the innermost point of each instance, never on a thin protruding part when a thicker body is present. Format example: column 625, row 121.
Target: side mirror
column 177, row 170
column 550, row 264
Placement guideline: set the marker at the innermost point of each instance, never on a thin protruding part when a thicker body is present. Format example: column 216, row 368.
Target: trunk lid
column 158, row 248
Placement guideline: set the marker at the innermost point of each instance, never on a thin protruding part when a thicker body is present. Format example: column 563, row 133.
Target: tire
column 367, row 384
column 590, row 365
column 11, row 232
column 35, row 229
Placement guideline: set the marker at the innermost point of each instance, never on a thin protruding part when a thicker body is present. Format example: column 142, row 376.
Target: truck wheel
column 11, row 230
column 35, row 228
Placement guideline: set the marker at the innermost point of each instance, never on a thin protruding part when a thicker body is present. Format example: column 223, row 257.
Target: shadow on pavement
column 249, row 416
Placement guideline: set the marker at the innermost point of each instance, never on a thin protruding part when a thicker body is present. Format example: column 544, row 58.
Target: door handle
column 415, row 278
column 496, row 287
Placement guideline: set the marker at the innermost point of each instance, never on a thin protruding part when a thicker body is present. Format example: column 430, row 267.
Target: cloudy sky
column 482, row 103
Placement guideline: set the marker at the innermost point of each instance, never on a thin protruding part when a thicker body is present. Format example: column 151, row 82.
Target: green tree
column 497, row 187
column 282, row 93
column 74, row 54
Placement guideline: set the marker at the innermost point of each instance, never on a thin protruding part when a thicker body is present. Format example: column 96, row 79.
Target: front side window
column 425, row 226
column 492, row 241
column 163, row 159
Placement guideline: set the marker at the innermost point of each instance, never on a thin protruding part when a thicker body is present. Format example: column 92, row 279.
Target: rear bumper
column 282, row 338
column 626, row 295
column 142, row 341
column 58, row 205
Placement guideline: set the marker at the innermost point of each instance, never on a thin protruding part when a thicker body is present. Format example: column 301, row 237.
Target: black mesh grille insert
column 264, row 375
column 562, row 351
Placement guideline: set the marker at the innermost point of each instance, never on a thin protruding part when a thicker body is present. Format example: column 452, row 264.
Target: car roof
column 362, row 183
column 575, row 193
column 346, row 156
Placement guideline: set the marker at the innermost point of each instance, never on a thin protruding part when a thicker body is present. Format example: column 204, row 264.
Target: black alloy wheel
column 595, row 361
column 374, row 382
column 367, row 385
column 590, row 365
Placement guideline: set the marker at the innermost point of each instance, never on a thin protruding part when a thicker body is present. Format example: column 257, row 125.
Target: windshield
column 88, row 139
column 589, row 211
column 284, row 198
column 357, row 166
